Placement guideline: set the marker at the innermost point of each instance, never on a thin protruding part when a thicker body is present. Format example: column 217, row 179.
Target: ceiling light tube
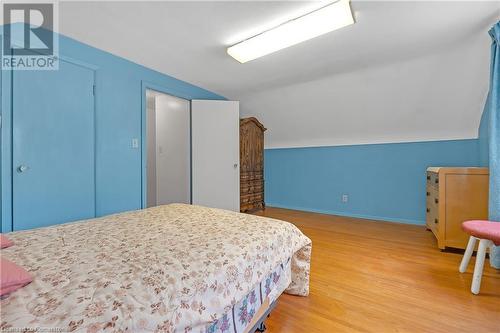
column 321, row 21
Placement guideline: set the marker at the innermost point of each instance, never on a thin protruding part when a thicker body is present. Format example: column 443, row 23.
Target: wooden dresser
column 455, row 195
column 251, row 165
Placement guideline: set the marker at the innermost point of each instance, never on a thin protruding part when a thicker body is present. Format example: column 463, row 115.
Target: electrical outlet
column 345, row 198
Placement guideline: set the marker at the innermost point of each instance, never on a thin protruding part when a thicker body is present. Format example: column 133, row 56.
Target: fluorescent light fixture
column 328, row 18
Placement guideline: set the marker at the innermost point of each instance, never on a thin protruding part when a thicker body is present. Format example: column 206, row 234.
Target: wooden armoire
column 251, row 165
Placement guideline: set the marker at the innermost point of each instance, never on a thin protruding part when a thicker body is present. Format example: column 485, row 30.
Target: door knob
column 22, row 168
column 235, row 165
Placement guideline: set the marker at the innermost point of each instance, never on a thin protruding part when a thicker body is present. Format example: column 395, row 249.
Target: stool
column 488, row 233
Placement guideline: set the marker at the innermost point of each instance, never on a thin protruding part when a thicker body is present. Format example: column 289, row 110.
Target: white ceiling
column 406, row 71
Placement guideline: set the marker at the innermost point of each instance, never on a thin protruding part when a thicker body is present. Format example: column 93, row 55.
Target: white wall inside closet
column 168, row 149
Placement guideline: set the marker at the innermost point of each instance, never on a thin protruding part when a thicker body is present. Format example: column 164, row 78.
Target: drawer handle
column 428, row 194
column 436, row 221
column 436, row 200
column 428, row 210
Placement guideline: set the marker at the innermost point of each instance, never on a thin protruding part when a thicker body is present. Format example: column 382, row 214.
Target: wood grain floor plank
column 371, row 276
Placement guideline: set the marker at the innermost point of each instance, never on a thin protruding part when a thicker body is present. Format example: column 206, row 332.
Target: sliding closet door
column 215, row 154
column 53, row 146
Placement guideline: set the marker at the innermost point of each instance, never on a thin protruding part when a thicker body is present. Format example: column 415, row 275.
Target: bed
column 172, row 268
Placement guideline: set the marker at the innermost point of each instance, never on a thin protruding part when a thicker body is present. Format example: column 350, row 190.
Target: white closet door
column 215, row 154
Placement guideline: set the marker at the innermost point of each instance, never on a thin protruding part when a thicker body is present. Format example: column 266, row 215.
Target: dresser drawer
column 432, row 197
column 251, row 186
column 432, row 179
column 251, row 198
column 246, row 176
column 432, row 217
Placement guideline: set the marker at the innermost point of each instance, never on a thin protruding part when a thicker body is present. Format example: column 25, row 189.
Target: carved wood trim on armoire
column 251, row 165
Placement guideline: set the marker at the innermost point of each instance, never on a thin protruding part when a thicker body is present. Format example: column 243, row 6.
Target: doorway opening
column 168, row 149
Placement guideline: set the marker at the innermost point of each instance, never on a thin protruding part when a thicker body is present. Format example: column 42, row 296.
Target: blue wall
column 383, row 181
column 119, row 85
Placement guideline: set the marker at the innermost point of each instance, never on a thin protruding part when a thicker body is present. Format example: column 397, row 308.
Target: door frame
column 147, row 85
column 6, row 177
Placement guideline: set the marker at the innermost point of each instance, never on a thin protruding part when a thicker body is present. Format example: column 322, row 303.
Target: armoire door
column 215, row 154
column 53, row 146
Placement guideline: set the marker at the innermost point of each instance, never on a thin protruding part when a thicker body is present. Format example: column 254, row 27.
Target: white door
column 215, row 155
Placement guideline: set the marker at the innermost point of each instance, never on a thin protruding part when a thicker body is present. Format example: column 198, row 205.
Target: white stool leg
column 467, row 254
column 478, row 269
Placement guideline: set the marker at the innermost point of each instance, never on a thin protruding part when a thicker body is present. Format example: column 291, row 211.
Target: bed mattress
column 173, row 268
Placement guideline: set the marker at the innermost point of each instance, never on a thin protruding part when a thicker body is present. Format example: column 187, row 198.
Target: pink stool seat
column 483, row 229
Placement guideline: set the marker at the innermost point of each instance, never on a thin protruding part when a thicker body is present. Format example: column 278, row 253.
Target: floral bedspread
column 239, row 319
column 173, row 268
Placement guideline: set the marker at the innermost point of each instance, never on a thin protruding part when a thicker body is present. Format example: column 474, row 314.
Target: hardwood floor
column 382, row 277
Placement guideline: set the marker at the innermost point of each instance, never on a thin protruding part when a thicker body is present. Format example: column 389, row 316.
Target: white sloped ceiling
column 406, row 71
